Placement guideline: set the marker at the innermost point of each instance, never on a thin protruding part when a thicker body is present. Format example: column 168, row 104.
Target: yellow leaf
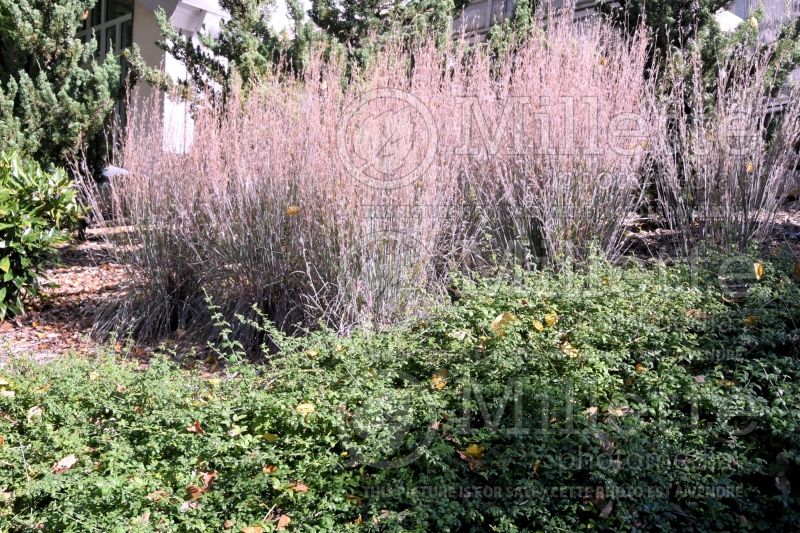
column 355, row 500
column 283, row 523
column 551, row 319
column 269, row 437
column 439, row 380
column 750, row 321
column 537, row 466
column 758, row 269
column 4, row 382
column 749, row 167
column 475, row 451
column 358, row 521
column 569, row 350
column 501, row 321
column 306, row 409
column 293, row 210
column 214, row 382
column 640, row 368
column 754, row 23
column 312, row 353
column 537, row 325
column 93, row 376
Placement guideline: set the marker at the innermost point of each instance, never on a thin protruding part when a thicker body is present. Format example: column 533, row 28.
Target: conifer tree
column 54, row 96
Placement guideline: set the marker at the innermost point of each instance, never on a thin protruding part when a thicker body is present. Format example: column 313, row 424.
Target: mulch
column 60, row 321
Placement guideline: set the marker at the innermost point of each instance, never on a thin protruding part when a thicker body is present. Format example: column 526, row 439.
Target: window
column 110, row 22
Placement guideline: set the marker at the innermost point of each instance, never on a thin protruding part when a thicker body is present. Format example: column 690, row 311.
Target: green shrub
column 35, row 207
column 612, row 399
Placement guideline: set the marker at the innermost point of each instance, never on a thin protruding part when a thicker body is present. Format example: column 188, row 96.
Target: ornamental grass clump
column 346, row 197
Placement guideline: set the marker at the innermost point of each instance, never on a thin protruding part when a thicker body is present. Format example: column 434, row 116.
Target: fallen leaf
column 475, row 451
column 34, row 413
column 283, row 522
column 605, row 512
column 749, row 167
column 312, row 353
column 2, row 440
column 306, row 409
column 194, row 492
column 783, row 484
column 214, row 382
column 358, row 521
column 299, row 487
column 7, row 393
column 619, row 411
column 569, row 350
column 537, row 325
column 253, row 529
column 640, row 368
column 293, row 210
column 208, row 479
column 501, row 321
column 227, row 524
column 700, row 379
column 355, row 500
column 591, row 411
column 537, row 466
column 551, row 319
column 158, row 495
column 269, row 437
column 472, row 463
column 64, row 464
column 195, row 427
column 121, row 388
column 185, row 506
column 4, row 382
column 439, row 380
column 750, row 321
column 758, row 269
column 269, row 469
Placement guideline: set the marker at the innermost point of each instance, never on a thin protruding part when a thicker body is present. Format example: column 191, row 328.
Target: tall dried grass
column 725, row 161
column 307, row 199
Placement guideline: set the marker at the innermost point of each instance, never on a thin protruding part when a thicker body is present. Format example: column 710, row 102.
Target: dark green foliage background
column 53, row 96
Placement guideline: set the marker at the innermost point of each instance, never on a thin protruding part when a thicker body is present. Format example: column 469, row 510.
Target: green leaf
column 5, row 264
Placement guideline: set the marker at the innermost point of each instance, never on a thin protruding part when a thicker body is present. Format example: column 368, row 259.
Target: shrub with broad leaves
column 36, row 207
